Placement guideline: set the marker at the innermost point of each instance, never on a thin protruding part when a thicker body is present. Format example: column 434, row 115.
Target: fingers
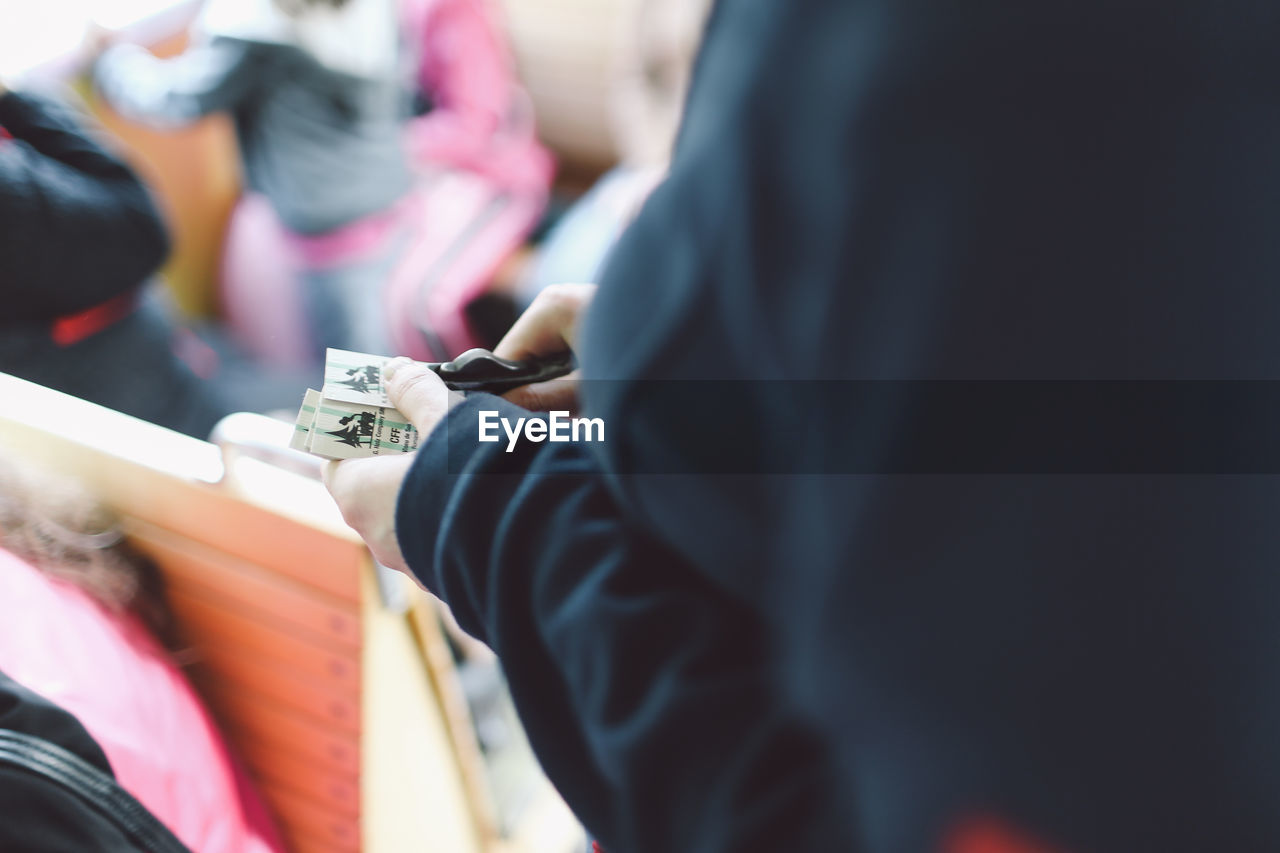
column 366, row 492
column 548, row 327
column 553, row 396
column 550, row 323
column 417, row 392
column 342, row 479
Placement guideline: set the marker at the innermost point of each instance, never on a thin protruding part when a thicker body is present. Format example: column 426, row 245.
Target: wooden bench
column 346, row 710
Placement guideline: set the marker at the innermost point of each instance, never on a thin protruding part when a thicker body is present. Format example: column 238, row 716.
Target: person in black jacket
column 899, row 243
column 59, row 791
column 79, row 238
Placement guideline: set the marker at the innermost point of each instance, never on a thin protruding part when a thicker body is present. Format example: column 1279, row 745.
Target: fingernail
column 392, row 367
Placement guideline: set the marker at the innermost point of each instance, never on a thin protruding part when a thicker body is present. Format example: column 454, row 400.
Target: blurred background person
column 321, row 95
column 650, row 80
column 79, row 239
column 86, row 624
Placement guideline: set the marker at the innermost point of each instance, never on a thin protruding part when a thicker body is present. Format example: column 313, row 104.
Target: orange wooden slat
column 325, row 705
column 248, row 588
column 326, row 788
column 304, row 818
column 206, row 624
column 258, row 722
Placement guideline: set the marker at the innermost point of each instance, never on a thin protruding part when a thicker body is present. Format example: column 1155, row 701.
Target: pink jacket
column 110, row 673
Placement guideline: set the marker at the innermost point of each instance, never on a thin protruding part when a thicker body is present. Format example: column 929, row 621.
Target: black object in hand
column 481, row 370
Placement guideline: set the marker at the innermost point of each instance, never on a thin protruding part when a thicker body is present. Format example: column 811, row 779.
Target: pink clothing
column 483, row 183
column 114, row 677
column 351, row 243
column 482, row 121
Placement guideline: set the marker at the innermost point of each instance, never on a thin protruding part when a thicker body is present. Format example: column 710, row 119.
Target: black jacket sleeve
column 649, row 697
column 39, row 810
column 77, row 227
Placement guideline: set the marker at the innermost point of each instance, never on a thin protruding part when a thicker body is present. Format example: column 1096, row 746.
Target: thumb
column 419, row 394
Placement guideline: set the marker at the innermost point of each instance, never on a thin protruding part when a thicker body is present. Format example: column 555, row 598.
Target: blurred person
column 366, row 208
column 60, row 793
column 83, row 666
column 928, row 439
column 79, row 240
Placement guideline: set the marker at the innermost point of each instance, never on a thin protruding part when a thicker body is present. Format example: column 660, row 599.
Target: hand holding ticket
column 352, row 417
column 336, row 429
